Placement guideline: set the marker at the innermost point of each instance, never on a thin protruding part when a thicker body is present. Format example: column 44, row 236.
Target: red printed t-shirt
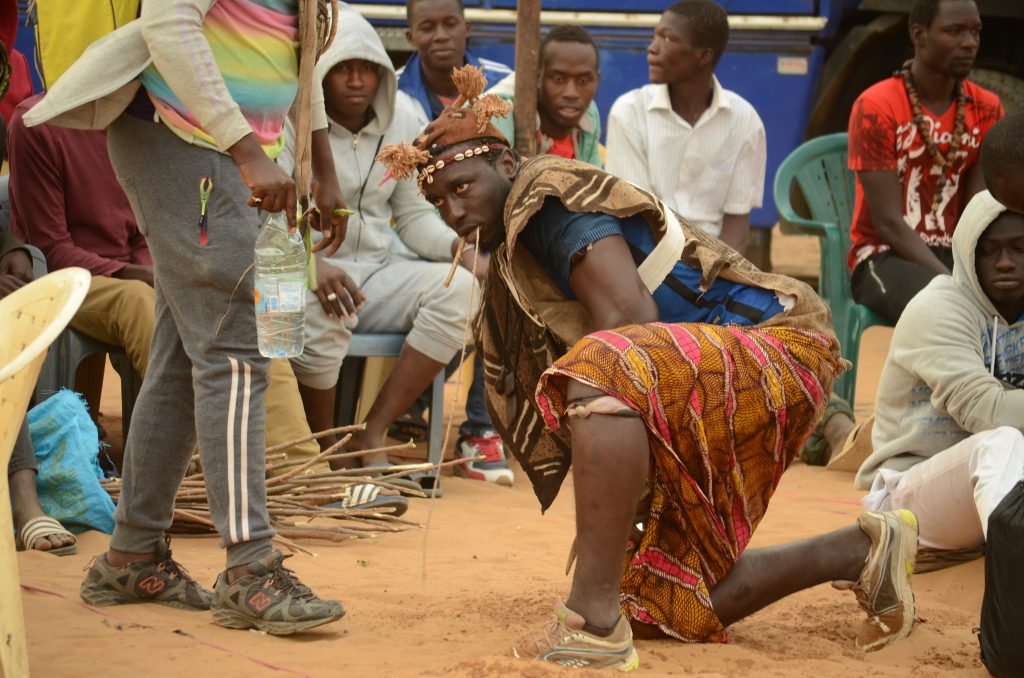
column 883, row 137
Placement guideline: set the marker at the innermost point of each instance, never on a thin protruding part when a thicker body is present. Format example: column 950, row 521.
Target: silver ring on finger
column 332, row 297
column 257, row 200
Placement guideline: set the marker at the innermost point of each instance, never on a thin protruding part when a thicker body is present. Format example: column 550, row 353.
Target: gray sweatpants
column 206, row 378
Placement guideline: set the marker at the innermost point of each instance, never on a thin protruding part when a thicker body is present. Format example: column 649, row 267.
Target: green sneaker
column 161, row 580
column 270, row 598
column 564, row 642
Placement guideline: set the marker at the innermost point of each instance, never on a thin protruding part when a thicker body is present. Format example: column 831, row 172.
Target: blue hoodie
column 411, row 83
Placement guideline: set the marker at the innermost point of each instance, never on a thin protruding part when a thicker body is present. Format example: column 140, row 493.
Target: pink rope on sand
column 256, row 660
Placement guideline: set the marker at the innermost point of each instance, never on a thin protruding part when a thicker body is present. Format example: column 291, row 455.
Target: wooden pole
column 303, row 100
column 527, row 55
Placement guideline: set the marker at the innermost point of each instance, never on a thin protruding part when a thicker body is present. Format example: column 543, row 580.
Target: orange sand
column 450, row 600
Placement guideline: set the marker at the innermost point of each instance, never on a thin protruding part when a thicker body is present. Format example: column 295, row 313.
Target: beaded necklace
column 944, row 162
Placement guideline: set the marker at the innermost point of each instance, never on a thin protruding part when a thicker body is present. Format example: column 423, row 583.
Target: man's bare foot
column 25, row 507
column 338, row 464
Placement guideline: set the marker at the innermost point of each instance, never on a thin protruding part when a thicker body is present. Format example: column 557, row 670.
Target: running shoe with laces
column 563, row 641
column 271, row 598
column 493, row 468
column 883, row 589
column 161, row 580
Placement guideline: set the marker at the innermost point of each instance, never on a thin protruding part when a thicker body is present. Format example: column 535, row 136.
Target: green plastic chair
column 819, row 168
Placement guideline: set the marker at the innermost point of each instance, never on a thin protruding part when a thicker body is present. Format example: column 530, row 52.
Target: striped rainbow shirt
column 255, row 45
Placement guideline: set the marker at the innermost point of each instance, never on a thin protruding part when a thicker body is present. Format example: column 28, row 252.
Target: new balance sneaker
column 161, row 581
column 493, row 468
column 883, row 590
column 271, row 598
column 563, row 641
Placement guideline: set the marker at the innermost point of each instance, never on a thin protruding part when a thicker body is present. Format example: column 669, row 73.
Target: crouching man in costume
column 688, row 381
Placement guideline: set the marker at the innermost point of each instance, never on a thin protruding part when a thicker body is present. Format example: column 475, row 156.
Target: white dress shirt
column 702, row 171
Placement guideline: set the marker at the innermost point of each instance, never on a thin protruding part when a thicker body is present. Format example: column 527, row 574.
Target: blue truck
column 801, row 63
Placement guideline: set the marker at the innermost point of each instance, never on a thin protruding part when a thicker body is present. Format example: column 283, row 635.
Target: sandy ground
column 450, row 599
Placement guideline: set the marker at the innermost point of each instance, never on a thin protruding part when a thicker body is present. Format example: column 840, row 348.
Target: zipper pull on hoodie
column 995, row 340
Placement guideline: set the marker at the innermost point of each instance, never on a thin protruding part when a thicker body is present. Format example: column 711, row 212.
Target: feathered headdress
column 467, row 119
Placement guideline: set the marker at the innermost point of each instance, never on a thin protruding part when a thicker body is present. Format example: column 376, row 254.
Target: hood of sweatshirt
column 384, row 208
column 357, row 39
column 979, row 215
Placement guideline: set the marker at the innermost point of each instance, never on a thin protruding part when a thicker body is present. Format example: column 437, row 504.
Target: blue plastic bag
column 67, row 443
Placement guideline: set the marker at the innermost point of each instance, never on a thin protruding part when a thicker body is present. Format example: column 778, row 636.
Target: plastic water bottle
column 280, row 293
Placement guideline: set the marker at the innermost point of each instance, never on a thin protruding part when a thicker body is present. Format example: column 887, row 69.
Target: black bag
column 1002, row 608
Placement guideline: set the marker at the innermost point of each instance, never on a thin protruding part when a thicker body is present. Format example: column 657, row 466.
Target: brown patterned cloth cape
column 526, row 323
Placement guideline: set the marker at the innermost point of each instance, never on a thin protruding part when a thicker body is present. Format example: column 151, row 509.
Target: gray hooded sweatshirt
column 371, row 239
column 955, row 366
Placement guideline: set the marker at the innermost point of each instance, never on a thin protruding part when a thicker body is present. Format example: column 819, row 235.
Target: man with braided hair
column 195, row 93
column 681, row 420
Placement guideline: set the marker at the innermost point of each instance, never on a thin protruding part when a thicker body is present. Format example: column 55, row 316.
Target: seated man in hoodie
column 947, row 439
column 365, row 286
column 439, row 33
column 568, row 122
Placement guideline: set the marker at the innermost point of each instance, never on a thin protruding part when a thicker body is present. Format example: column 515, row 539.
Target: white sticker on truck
column 790, row 65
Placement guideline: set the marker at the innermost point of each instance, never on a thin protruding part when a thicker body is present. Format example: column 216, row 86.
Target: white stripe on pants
column 954, row 493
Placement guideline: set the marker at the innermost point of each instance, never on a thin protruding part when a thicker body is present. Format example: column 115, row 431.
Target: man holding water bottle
column 193, row 148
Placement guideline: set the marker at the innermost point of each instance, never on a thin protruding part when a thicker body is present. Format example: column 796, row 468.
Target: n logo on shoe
column 260, row 601
column 152, row 585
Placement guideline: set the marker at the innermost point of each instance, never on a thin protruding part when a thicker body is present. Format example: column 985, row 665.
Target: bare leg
column 609, row 463
column 319, row 407
column 25, row 506
column 412, row 373
column 89, row 382
column 762, row 576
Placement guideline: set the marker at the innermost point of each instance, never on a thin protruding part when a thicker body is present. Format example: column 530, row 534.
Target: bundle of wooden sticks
column 297, row 492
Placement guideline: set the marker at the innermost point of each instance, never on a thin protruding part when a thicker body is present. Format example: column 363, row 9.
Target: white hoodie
column 945, row 378
column 370, row 238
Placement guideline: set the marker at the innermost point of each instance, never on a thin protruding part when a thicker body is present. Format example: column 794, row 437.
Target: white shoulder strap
column 659, row 263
